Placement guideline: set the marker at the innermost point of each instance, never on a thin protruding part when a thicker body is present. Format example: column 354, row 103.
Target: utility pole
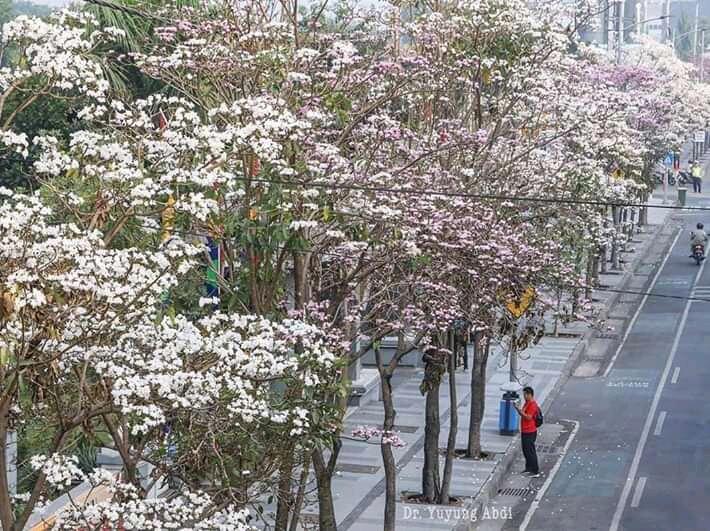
column 638, row 19
column 695, row 30
column 620, row 29
column 644, row 29
column 667, row 25
column 702, row 55
column 609, row 20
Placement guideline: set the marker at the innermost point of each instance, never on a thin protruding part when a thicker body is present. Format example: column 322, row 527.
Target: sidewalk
column 359, row 486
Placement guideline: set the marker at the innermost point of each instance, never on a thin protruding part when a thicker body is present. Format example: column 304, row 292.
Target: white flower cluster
column 59, row 275
column 180, row 365
column 59, row 470
column 56, row 49
column 189, row 511
column 15, row 141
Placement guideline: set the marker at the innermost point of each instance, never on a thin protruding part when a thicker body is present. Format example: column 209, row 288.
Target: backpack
column 539, row 419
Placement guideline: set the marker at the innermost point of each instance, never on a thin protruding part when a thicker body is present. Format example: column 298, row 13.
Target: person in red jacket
column 528, row 431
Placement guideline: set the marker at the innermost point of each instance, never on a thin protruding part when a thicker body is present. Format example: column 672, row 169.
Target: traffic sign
column 519, row 307
column 700, row 136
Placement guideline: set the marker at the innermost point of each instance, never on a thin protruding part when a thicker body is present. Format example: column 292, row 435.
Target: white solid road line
column 659, row 423
column 652, row 413
column 674, row 378
column 550, row 477
column 638, row 492
column 643, row 303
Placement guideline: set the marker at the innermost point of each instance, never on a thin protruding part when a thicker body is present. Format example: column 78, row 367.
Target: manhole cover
column 357, row 469
column 608, row 336
column 515, row 492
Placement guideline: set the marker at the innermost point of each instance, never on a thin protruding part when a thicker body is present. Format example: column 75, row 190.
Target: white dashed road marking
column 659, row 423
column 638, row 492
column 676, row 372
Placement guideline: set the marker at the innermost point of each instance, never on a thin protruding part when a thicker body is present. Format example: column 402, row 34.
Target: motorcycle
column 698, row 253
column 659, row 175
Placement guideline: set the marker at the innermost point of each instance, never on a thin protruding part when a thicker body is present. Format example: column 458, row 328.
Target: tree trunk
column 430, row 472
column 324, row 478
column 590, row 276
column 300, row 494
column 643, row 213
column 388, row 459
column 615, row 239
column 284, row 495
column 6, row 512
column 386, row 449
column 453, row 424
column 478, row 394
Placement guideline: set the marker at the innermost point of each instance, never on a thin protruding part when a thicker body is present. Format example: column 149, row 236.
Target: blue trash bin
column 508, row 418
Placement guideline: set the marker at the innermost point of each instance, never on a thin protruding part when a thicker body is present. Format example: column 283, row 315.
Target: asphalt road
column 641, row 457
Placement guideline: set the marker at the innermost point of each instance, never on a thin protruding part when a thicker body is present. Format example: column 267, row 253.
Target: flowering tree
column 363, row 177
column 88, row 343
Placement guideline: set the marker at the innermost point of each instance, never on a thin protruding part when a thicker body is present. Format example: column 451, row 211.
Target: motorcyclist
column 698, row 237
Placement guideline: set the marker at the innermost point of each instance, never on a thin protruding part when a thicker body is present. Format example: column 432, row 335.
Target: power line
column 644, row 293
column 468, row 195
column 568, row 286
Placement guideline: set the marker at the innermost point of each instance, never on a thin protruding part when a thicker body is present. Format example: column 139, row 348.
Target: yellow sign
column 518, row 308
column 168, row 216
column 618, row 173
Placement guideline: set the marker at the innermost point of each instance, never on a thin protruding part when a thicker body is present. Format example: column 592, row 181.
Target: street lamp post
column 621, row 30
column 695, row 30
column 702, row 55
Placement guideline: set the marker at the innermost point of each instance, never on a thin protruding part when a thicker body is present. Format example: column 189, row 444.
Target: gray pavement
column 359, row 485
column 641, row 457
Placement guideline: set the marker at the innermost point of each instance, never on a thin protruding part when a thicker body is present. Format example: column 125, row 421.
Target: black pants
column 697, row 184
column 528, row 440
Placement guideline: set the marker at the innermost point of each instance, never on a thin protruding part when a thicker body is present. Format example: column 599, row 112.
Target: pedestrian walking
column 697, row 172
column 530, row 419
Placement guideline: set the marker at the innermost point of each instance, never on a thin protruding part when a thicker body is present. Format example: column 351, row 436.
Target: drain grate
column 397, row 428
column 546, row 449
column 515, row 492
column 355, row 468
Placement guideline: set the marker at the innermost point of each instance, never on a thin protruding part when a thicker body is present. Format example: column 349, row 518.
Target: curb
column 490, row 487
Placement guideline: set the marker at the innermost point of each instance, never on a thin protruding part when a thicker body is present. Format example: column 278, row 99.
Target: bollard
column 682, row 193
